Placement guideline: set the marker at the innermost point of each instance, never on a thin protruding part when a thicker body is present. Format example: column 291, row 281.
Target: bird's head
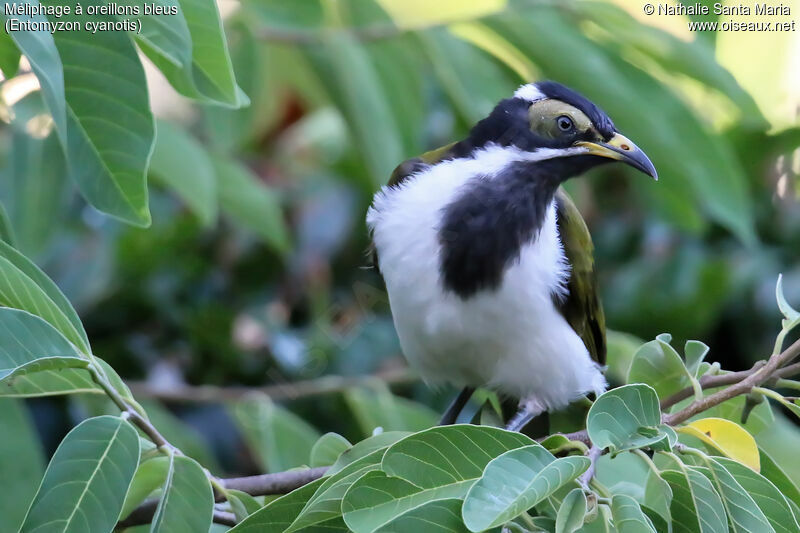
column 546, row 121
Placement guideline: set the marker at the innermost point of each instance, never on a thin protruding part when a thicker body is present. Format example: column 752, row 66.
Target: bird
column 487, row 262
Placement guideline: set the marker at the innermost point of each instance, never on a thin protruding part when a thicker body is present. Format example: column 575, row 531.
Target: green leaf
column 86, row 481
column 40, row 50
column 775, row 474
column 769, row 499
column 627, row 417
column 42, row 364
column 444, row 454
column 9, row 56
column 110, row 134
column 182, row 164
column 249, row 202
column 694, row 352
column 377, row 501
column 744, row 515
column 345, row 68
column 628, row 515
column 22, row 464
column 572, row 512
column 326, row 504
column 602, row 524
column 516, row 481
column 439, row 516
column 791, row 315
column 328, row 448
column 6, row 231
column 242, row 504
column 187, row 503
column 280, row 439
column 696, row 507
column 377, row 407
column 167, row 35
column 659, row 365
column 150, row 476
column 209, row 77
column 23, row 286
column 658, row 496
column 277, row 515
column 381, row 441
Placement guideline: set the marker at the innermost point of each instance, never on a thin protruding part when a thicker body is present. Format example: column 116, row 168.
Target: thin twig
column 282, row 391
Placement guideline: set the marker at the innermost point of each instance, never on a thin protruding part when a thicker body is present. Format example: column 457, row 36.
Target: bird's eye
column 564, row 123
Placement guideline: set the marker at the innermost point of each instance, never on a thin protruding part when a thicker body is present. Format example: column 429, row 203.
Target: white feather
column 529, row 92
column 512, row 339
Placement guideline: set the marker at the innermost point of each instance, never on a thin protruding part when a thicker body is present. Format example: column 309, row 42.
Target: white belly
column 512, row 338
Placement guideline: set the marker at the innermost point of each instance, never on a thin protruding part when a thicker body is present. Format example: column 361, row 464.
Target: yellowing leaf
column 728, row 437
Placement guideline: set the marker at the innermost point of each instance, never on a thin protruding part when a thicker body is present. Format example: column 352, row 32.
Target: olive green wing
column 581, row 307
column 406, row 169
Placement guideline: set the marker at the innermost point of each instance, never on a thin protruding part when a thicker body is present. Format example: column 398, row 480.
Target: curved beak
column 620, row 148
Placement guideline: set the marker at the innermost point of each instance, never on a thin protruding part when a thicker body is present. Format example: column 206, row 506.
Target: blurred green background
column 251, row 273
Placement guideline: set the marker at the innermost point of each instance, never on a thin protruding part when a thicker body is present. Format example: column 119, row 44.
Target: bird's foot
column 529, row 409
column 593, row 453
column 449, row 417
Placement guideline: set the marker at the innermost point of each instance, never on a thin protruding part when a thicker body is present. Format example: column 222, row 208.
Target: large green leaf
column 626, row 417
column 628, row 515
column 167, row 35
column 26, row 339
column 280, row 439
column 187, row 503
column 345, row 67
column 248, row 201
column 209, row 75
column 182, row 164
column 22, row 463
column 24, row 286
column 110, row 133
column 40, row 50
column 438, row 516
column 444, row 454
column 707, row 171
column 377, row 501
column 743, row 514
column 775, row 474
column 516, row 481
column 659, row 365
column 86, row 481
column 325, row 505
column 696, row 507
column 769, row 499
column 278, row 515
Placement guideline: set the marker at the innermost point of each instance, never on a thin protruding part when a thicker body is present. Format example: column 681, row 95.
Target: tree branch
column 145, row 512
column 281, row 391
column 740, row 383
column 277, row 483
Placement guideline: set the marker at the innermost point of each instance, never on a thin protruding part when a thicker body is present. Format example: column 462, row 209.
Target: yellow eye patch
column 544, row 114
